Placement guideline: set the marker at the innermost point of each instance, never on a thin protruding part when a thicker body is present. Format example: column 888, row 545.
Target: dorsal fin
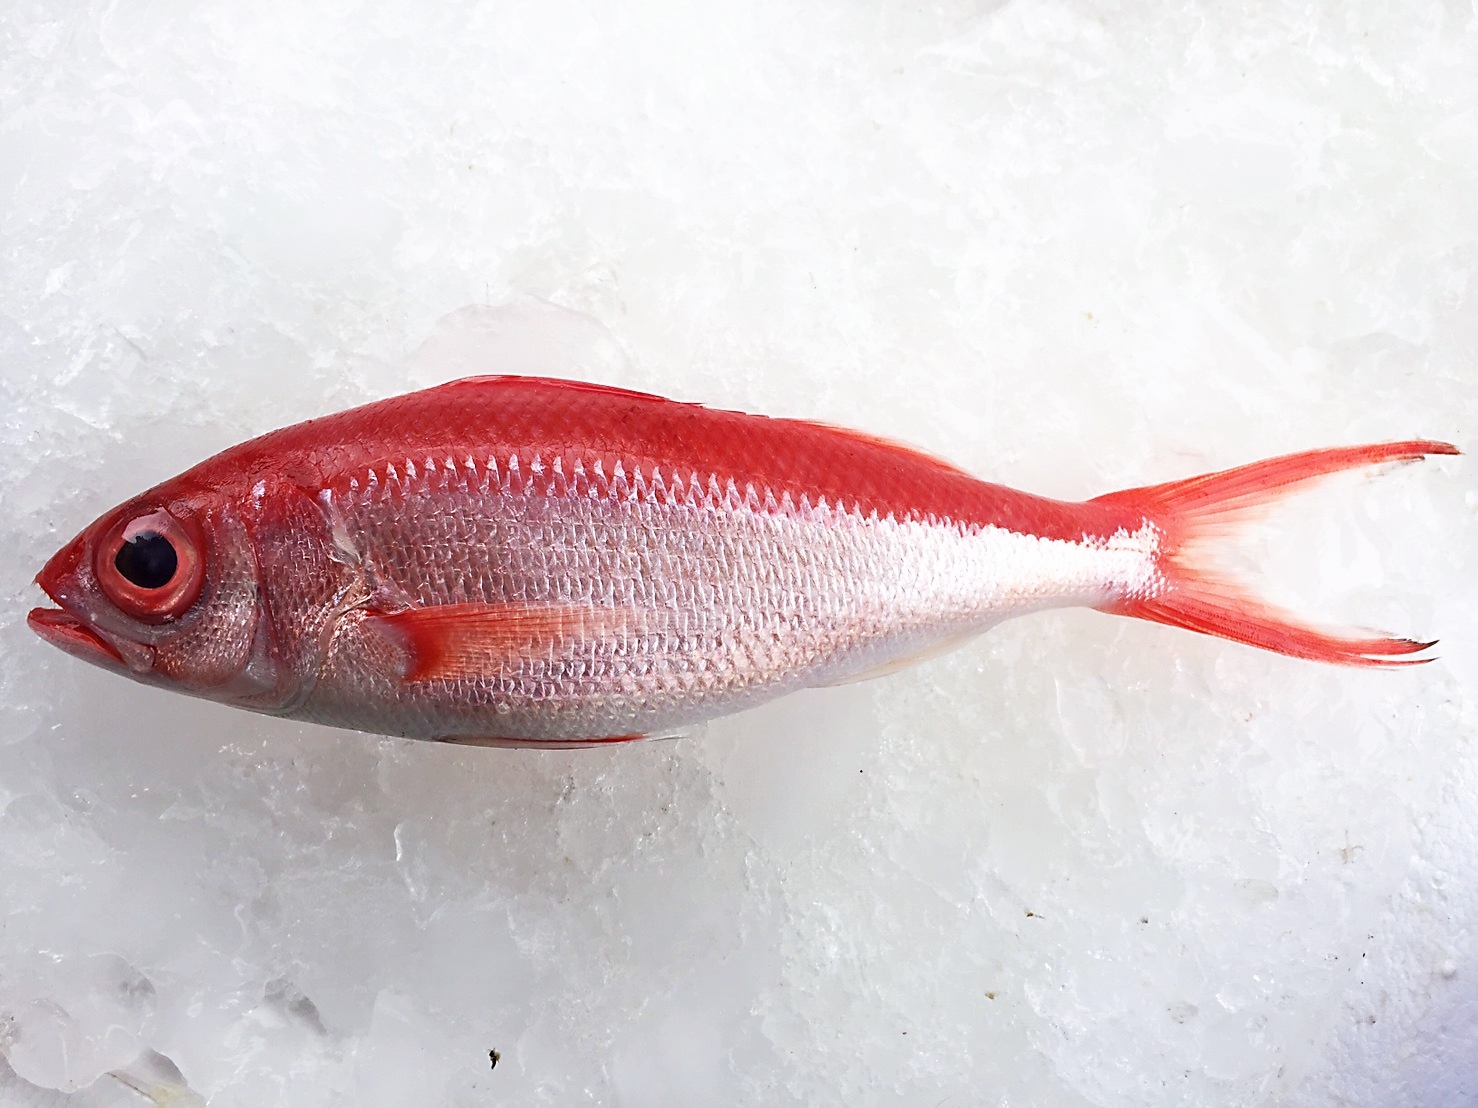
column 508, row 380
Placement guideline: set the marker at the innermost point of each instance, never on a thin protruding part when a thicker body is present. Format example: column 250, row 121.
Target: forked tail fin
column 1190, row 514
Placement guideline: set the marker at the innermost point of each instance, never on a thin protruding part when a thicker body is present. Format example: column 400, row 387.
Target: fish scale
column 713, row 587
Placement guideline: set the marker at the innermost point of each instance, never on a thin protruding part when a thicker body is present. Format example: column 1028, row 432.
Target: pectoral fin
column 450, row 642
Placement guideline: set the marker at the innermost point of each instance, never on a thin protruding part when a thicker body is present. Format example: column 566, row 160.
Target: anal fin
column 913, row 658
column 549, row 744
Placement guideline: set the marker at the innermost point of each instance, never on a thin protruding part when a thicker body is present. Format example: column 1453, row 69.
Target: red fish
column 521, row 561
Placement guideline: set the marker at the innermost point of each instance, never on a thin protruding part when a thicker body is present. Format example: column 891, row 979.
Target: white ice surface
column 1072, row 247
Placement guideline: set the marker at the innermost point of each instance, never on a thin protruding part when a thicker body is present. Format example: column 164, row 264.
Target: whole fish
column 523, row 561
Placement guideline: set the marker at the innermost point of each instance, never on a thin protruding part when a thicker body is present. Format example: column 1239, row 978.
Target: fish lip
column 68, row 633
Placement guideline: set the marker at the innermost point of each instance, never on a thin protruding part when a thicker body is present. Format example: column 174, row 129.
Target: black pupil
column 147, row 560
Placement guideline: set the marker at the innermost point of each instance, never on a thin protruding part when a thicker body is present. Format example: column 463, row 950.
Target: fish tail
column 1191, row 515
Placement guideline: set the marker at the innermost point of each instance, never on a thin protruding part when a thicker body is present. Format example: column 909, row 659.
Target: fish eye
column 147, row 560
column 150, row 566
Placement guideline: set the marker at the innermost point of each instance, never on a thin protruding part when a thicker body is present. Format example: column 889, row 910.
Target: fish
column 529, row 561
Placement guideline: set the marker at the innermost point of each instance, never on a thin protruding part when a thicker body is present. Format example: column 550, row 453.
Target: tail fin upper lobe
column 1190, row 512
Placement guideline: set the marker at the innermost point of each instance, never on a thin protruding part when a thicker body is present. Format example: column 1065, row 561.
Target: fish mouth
column 66, row 632
column 60, row 626
column 75, row 634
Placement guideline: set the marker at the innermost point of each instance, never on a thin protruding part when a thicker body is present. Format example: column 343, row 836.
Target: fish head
column 164, row 589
